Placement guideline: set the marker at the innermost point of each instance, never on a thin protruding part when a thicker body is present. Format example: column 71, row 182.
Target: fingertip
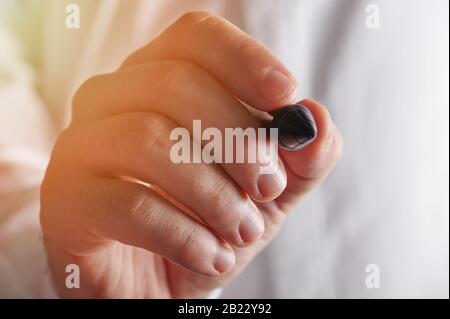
column 325, row 126
column 316, row 159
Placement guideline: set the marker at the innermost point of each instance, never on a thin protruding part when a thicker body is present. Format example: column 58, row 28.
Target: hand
column 139, row 225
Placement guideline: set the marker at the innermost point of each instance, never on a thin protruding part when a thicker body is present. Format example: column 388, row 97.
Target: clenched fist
column 136, row 223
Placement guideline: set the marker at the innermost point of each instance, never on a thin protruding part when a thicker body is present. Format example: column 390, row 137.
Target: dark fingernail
column 296, row 127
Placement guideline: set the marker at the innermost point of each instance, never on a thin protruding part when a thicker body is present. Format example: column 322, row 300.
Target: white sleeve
column 25, row 139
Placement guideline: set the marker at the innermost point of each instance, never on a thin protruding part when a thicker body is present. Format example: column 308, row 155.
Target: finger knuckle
column 82, row 99
column 177, row 75
column 61, row 147
column 139, row 135
column 154, row 132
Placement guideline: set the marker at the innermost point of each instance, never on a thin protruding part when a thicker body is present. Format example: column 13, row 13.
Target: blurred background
column 381, row 67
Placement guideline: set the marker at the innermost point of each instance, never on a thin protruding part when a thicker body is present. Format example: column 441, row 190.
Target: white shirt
column 386, row 203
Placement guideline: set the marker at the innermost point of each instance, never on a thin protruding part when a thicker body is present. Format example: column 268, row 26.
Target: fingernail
column 271, row 185
column 296, row 127
column 276, row 86
column 224, row 259
column 251, row 227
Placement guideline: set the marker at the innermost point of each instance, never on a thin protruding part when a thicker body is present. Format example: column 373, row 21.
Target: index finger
column 242, row 64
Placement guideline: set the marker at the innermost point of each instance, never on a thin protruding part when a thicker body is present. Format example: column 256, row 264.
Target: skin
column 140, row 226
